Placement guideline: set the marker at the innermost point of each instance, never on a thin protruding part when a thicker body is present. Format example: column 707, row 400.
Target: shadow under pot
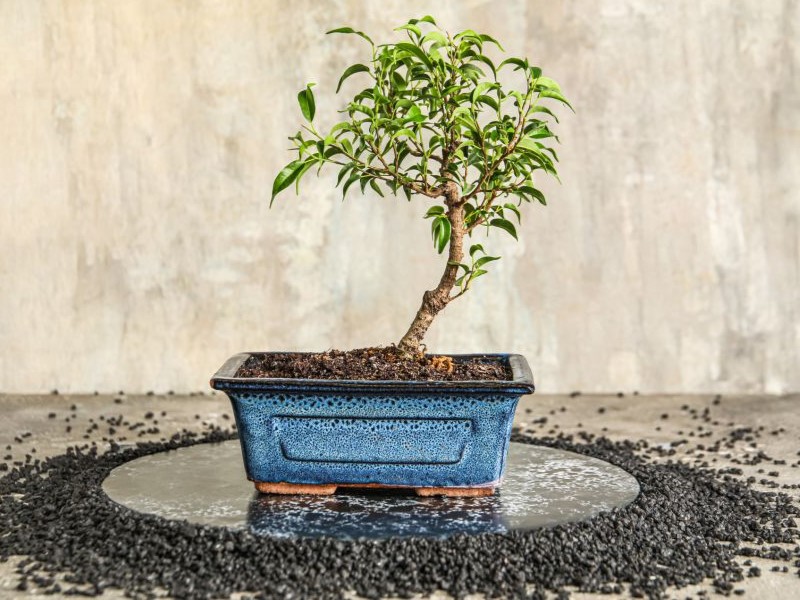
column 312, row 436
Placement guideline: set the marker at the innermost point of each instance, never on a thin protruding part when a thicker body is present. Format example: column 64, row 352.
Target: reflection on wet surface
column 374, row 514
column 206, row 484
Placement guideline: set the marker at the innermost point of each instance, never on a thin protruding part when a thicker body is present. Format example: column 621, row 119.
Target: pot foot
column 455, row 491
column 327, row 489
column 321, row 489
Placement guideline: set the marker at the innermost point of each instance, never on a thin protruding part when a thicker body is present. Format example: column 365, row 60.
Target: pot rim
column 521, row 381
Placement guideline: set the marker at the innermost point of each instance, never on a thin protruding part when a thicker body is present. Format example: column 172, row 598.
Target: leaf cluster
column 437, row 108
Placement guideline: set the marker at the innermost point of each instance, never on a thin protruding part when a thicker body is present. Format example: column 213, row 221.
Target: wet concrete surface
column 40, row 426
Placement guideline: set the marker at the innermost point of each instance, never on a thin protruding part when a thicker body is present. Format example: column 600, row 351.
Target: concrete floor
column 629, row 417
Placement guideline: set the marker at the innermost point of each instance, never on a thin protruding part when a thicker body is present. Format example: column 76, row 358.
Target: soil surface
column 373, row 364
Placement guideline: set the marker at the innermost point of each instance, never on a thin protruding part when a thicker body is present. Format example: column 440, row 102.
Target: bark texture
column 433, row 301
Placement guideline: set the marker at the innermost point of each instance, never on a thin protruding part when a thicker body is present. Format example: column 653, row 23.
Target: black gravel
column 690, row 524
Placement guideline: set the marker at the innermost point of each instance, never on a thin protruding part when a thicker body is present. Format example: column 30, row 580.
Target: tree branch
column 414, row 187
column 523, row 115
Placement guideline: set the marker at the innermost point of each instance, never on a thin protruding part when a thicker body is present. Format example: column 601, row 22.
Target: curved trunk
column 433, row 301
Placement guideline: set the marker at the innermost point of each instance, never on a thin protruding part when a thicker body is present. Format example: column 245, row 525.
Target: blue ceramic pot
column 314, row 435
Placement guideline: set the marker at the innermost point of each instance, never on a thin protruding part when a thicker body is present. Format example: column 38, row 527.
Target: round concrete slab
column 206, row 484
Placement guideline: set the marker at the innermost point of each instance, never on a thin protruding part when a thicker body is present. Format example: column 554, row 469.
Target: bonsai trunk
column 433, row 301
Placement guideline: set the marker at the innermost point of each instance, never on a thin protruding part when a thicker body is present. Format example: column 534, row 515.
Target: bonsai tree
column 435, row 121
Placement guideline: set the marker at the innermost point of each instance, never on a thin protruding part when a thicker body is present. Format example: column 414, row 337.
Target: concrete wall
column 139, row 139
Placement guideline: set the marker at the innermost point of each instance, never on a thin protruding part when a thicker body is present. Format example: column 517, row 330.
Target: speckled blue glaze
column 398, row 433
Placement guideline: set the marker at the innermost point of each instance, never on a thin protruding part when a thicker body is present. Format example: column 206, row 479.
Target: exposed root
column 442, row 363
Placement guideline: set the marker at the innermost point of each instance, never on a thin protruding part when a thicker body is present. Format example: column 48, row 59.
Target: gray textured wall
column 138, row 141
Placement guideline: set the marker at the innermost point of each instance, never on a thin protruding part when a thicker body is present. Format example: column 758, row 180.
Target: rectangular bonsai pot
column 314, row 435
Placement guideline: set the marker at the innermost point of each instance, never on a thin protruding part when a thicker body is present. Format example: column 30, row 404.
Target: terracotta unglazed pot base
column 327, row 489
column 455, row 491
column 295, row 488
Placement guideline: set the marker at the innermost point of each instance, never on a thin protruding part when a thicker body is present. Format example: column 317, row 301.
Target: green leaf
column 425, row 19
column 555, row 96
column 350, row 30
column 505, row 225
column 517, row 62
column 544, row 109
column 483, row 260
column 434, row 211
column 416, row 51
column 488, row 100
column 458, row 264
column 414, row 114
column 410, row 27
column 286, row 177
column 513, row 208
column 469, row 34
column 475, row 248
column 550, row 151
column 487, row 38
column 469, row 123
column 485, row 60
column 435, row 230
column 472, row 72
column 481, row 89
column 405, row 132
column 300, row 174
column 343, row 127
column 529, row 144
column 545, row 83
column 437, row 37
column 350, row 181
column 351, row 70
column 398, row 80
column 532, row 191
column 541, row 132
column 306, row 100
column 444, row 235
column 362, row 108
column 518, row 96
column 373, row 184
column 440, row 229
column 303, row 146
column 344, row 171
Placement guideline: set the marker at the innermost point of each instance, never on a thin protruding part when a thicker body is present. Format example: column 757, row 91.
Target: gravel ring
column 687, row 526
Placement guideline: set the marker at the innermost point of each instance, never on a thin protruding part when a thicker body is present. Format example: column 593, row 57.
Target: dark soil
column 373, row 364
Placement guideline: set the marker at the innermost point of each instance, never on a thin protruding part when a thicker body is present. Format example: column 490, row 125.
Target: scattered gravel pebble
column 689, row 524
